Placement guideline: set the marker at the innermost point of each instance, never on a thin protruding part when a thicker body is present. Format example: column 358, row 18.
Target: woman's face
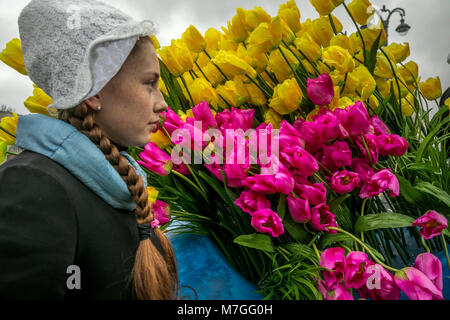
column 131, row 102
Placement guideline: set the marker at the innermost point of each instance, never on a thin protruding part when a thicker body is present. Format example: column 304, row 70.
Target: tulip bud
column 431, row 89
column 12, row 56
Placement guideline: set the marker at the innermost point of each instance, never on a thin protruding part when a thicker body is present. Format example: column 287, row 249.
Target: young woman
column 75, row 221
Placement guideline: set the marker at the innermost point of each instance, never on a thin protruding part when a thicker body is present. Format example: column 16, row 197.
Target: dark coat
column 49, row 220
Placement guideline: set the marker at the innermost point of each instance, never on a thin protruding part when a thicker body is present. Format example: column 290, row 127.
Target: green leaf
column 296, row 230
column 425, row 143
column 281, row 207
column 381, row 221
column 256, row 241
column 337, row 201
column 333, row 238
column 3, row 149
column 411, row 194
column 299, row 248
column 434, row 191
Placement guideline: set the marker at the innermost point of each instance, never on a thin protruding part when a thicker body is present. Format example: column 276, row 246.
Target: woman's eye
column 153, row 84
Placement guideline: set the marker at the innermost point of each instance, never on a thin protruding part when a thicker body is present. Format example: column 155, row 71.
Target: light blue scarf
column 63, row 143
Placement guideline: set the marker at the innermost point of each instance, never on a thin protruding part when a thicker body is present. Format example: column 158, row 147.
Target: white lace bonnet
column 73, row 48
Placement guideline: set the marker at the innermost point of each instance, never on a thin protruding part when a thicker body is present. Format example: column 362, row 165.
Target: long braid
column 154, row 276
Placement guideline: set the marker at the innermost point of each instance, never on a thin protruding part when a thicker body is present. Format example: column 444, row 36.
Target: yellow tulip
column 290, row 13
column 383, row 86
column 38, row 102
column 287, row 34
column 160, row 139
column 234, row 92
column 343, row 41
column 232, row 65
column 369, row 36
column 373, row 103
column 255, row 95
column 212, row 38
column 352, row 83
column 194, row 39
column 258, row 61
column 337, row 2
column 183, row 54
column 287, row 97
column 266, row 37
column 403, row 89
column 338, row 58
column 431, row 89
column 383, row 67
column 323, row 7
column 344, row 102
column 410, row 72
column 399, row 51
column 273, row 117
column 308, row 47
column 407, row 105
column 226, row 44
column 9, row 126
column 278, row 64
column 152, row 194
column 201, row 90
column 213, row 75
column 12, row 55
column 253, row 18
column 155, row 42
column 367, row 83
column 335, row 101
column 172, row 57
column 361, row 10
column 321, row 30
column 237, row 27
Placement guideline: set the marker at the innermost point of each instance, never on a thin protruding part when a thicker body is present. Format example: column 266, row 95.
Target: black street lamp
column 402, row 28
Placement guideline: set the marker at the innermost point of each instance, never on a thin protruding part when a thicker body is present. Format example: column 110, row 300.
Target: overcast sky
column 429, row 37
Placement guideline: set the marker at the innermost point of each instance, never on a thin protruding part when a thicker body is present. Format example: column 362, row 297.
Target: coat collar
column 63, row 143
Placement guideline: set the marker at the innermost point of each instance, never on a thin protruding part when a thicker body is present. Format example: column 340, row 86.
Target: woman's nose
column 161, row 105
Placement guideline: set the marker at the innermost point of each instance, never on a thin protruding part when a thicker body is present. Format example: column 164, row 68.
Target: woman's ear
column 94, row 102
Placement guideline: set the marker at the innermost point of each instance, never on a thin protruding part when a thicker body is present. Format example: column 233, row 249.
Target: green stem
column 7, row 132
column 189, row 93
column 203, row 74
column 362, row 215
column 358, row 30
column 425, row 245
column 444, row 243
column 367, row 150
column 292, row 69
column 223, row 74
column 365, row 247
column 190, row 183
column 316, row 251
column 257, row 84
column 332, row 24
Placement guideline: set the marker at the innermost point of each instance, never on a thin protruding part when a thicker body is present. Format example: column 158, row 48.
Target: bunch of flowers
column 328, row 113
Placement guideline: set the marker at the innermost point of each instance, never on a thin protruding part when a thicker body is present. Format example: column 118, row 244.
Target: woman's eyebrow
column 152, row 73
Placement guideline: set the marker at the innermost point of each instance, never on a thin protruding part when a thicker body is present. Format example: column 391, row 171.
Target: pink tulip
column 313, row 140
column 300, row 159
column 380, row 285
column 391, row 144
column 235, row 119
column 267, row 221
column 172, row 121
column 155, row 160
column 378, row 127
column 416, row 285
column 344, row 181
column 161, row 211
column 326, row 125
column 431, row 224
column 299, row 209
column 334, row 260
column 321, row 218
column 203, row 113
column 315, row 193
column 181, row 168
column 280, row 182
column 431, row 266
column 355, row 118
column 250, row 202
column 363, row 169
column 356, row 274
column 382, row 180
column 320, row 90
column 337, row 155
column 260, row 143
column 289, row 136
column 341, row 292
column 235, row 173
column 372, row 146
